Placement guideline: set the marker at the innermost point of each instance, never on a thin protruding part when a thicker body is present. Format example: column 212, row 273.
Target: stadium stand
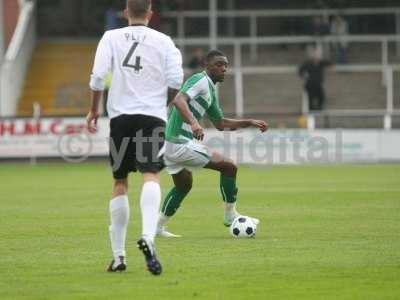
column 58, row 75
column 57, row 78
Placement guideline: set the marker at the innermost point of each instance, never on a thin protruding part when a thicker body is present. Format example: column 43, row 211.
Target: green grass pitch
column 326, row 232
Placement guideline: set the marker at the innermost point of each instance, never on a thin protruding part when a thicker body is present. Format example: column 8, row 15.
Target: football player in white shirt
column 146, row 69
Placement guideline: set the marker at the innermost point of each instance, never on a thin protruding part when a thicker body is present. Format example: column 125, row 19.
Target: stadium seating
column 59, row 71
column 58, row 78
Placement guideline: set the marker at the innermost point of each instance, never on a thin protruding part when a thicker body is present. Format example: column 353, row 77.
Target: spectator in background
column 113, row 18
column 155, row 21
column 340, row 29
column 196, row 63
column 312, row 72
column 320, row 26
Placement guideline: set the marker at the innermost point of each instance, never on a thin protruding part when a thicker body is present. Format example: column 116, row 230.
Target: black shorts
column 135, row 143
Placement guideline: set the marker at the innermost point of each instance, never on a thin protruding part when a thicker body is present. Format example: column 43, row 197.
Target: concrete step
column 58, row 77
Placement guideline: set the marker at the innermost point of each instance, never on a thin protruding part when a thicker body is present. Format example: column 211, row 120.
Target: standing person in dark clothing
column 312, row 71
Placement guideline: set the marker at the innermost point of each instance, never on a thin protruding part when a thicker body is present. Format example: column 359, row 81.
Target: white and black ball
column 243, row 227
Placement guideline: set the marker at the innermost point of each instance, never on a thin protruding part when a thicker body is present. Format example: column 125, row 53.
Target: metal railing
column 20, row 50
column 254, row 40
column 384, row 40
column 213, row 14
column 17, row 58
column 386, row 114
column 238, row 70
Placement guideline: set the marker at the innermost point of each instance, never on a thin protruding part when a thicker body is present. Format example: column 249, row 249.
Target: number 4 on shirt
column 137, row 67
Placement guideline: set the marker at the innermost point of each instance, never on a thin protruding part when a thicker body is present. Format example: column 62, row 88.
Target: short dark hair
column 138, row 8
column 213, row 53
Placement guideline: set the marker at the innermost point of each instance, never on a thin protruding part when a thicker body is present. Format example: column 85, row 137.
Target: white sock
column 119, row 212
column 162, row 220
column 150, row 199
column 230, row 210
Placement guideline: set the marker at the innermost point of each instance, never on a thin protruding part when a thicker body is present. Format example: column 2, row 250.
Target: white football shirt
column 143, row 63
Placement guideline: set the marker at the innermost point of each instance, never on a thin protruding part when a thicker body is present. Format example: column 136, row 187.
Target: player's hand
column 91, row 121
column 262, row 125
column 197, row 130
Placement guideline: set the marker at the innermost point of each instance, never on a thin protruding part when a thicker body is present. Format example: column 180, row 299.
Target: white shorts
column 191, row 155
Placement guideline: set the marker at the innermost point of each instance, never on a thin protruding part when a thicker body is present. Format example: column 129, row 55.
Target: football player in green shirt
column 183, row 153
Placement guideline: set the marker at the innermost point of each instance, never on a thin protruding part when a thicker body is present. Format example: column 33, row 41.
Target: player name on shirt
column 132, row 37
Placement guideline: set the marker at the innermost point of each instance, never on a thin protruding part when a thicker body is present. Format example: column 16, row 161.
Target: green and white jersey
column 203, row 100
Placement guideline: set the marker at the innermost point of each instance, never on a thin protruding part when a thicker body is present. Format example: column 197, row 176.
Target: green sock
column 172, row 202
column 228, row 188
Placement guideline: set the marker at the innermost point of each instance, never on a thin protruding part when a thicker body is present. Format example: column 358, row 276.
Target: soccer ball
column 243, row 227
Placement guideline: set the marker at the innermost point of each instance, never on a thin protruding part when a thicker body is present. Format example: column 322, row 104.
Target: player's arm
column 171, row 95
column 234, row 124
column 93, row 114
column 101, row 68
column 173, row 70
column 181, row 104
column 216, row 116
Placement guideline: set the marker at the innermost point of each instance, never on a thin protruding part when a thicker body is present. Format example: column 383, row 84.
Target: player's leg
column 179, row 159
column 149, row 163
column 182, row 185
column 229, row 190
column 321, row 97
column 119, row 204
column 150, row 199
column 119, row 215
column 313, row 96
